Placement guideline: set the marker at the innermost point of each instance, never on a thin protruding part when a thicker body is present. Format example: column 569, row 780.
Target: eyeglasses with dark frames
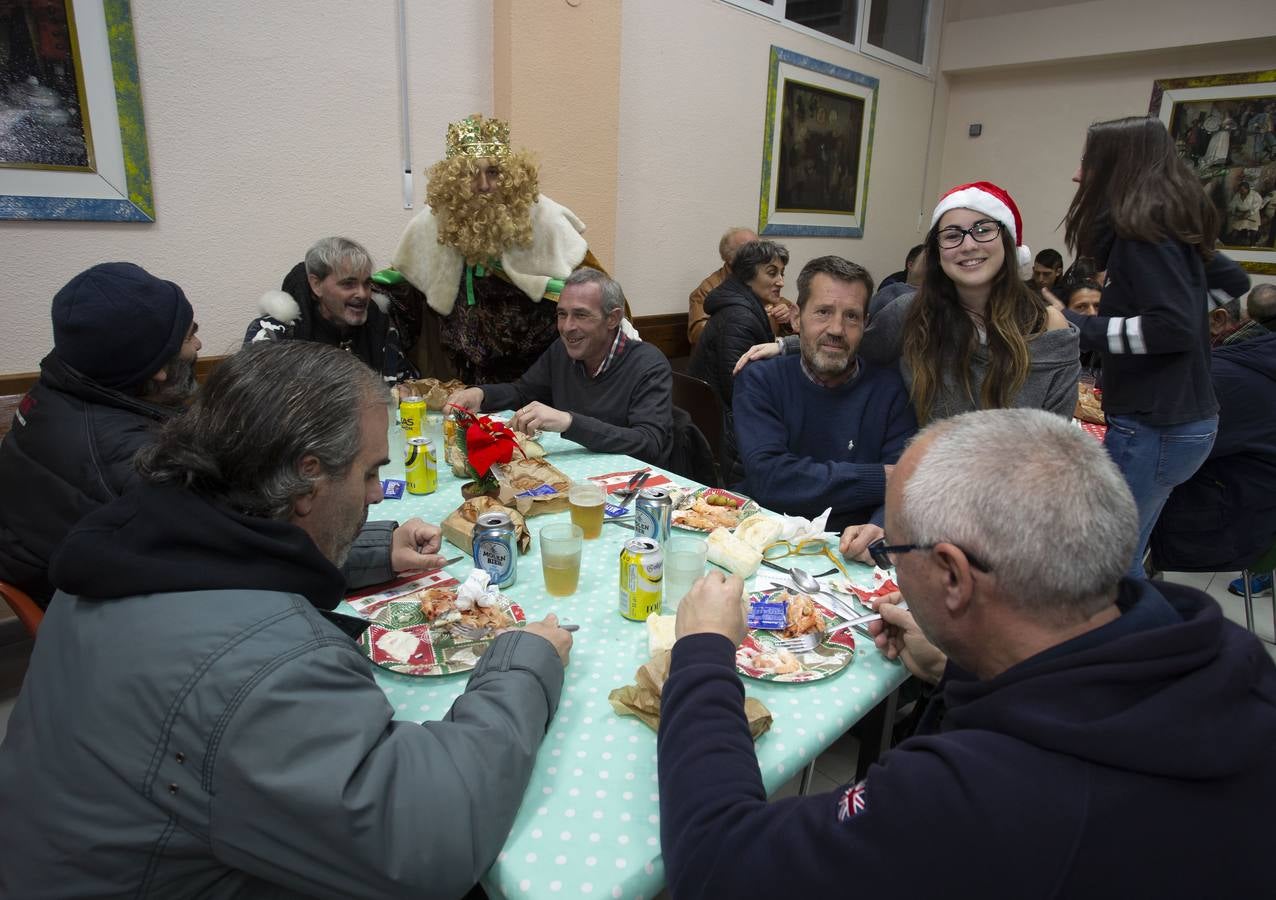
column 981, row 232
column 883, row 554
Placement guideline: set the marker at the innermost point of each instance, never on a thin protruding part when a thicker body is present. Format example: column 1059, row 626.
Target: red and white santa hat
column 985, row 197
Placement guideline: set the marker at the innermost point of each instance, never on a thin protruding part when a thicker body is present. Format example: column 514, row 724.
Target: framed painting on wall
column 72, row 134
column 817, row 148
column 1224, row 127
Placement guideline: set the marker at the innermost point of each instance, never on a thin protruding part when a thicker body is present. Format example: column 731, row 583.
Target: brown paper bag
column 642, row 700
column 458, row 527
column 431, row 390
column 533, row 474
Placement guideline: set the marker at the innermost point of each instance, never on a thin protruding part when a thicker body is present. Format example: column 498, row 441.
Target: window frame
column 775, row 11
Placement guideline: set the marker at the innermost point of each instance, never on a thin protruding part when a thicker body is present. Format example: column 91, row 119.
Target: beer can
column 652, row 514
column 641, row 578
column 421, row 466
column 412, row 415
column 449, row 429
column 495, row 548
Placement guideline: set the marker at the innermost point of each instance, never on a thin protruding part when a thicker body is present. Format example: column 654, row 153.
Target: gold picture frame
column 1225, row 128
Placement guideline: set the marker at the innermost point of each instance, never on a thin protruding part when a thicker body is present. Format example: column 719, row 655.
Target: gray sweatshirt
column 1051, row 384
column 627, row 409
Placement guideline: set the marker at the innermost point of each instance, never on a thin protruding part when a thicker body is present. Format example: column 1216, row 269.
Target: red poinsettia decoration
column 487, row 440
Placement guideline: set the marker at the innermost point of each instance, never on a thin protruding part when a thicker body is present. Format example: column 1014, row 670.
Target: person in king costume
column 490, row 254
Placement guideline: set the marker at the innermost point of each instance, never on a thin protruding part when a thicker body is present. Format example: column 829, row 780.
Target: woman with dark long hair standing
column 1143, row 216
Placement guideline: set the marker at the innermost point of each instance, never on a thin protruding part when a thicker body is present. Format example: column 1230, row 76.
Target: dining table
column 589, row 823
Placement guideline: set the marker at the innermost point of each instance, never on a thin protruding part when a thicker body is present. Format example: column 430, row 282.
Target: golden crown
column 478, row 138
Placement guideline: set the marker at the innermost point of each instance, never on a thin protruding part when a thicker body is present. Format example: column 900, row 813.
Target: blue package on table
column 543, row 491
column 611, row 510
column 392, row 488
column 769, row 616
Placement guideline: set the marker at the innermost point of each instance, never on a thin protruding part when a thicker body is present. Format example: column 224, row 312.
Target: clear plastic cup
column 586, row 500
column 561, row 546
column 684, row 563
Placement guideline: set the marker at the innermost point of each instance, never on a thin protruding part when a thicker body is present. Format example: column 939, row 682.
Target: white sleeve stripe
column 1114, row 336
column 1134, row 334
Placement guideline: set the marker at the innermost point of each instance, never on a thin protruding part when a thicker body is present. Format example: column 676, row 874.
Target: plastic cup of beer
column 560, row 558
column 684, row 563
column 586, row 501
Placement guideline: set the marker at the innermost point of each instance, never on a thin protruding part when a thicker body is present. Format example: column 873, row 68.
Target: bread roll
column 733, row 554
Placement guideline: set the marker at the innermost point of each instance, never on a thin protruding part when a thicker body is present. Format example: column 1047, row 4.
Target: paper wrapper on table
column 431, row 390
column 642, row 699
column 542, row 486
column 1089, row 405
column 458, row 527
column 531, row 449
column 660, row 633
column 796, row 529
column 733, row 554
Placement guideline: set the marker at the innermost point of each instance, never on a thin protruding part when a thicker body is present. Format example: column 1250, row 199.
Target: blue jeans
column 1154, row 460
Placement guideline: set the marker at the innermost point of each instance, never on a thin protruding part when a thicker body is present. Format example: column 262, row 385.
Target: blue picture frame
column 815, row 175
column 120, row 189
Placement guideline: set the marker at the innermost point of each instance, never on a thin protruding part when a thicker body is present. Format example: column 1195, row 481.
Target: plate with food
column 710, row 508
column 415, row 634
column 759, row 656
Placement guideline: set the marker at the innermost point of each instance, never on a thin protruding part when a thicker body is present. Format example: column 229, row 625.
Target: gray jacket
column 233, row 743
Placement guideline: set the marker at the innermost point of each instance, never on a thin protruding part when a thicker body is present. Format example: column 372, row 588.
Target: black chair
column 702, row 404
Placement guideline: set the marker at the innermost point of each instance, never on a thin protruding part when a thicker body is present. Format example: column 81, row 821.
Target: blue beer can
column 495, row 548
column 653, row 513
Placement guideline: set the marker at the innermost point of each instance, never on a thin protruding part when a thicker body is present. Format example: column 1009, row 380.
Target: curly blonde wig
column 483, row 226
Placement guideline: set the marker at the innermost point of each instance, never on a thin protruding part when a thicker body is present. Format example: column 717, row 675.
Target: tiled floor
column 836, row 765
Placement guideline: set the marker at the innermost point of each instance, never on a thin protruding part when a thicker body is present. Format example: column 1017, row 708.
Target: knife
column 634, row 489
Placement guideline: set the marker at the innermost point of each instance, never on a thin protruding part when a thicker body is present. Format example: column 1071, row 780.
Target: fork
column 470, row 632
column 474, row 633
column 806, row 642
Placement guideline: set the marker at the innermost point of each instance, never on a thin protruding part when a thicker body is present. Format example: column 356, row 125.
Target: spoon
column 805, row 581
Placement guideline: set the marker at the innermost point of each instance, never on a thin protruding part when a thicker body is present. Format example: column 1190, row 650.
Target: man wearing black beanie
column 123, row 360
column 123, row 363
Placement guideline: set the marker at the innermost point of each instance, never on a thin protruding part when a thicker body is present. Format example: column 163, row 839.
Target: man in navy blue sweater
column 1090, row 736
column 823, row 429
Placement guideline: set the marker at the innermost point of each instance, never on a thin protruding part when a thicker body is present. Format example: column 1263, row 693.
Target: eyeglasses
column 980, row 232
column 883, row 554
column 810, row 547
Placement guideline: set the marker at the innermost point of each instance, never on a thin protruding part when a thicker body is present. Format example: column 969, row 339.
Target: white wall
column 693, row 101
column 269, row 125
column 1025, row 32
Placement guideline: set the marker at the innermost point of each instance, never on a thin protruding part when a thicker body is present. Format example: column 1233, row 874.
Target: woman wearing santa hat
column 974, row 336
column 1142, row 214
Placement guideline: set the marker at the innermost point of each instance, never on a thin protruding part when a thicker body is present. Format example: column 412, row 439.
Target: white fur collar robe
column 434, row 269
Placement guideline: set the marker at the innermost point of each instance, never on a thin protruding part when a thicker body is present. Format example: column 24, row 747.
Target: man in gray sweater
column 598, row 384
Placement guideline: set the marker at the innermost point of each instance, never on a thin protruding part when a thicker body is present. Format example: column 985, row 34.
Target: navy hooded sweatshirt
column 1138, row 760
column 1224, row 516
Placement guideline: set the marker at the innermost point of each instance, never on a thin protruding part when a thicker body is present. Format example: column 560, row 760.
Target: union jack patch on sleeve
column 852, row 801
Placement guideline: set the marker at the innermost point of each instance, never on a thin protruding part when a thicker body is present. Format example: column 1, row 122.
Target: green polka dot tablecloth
column 589, row 825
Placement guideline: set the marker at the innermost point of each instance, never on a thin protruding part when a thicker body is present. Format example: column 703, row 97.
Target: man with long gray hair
column 1082, row 719
column 196, row 719
column 598, row 384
